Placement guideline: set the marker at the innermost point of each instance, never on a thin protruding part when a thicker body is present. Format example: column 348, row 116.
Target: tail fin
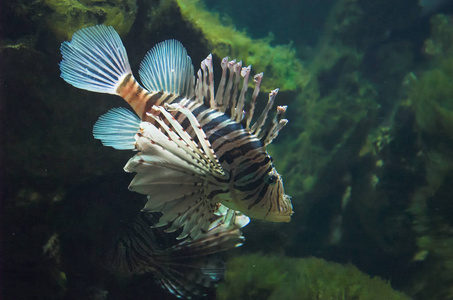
column 185, row 269
column 95, row 60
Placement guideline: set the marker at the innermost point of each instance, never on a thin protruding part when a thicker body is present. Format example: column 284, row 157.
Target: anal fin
column 117, row 128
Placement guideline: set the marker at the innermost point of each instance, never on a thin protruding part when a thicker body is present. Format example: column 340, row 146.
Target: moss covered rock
column 68, row 16
column 279, row 63
column 267, row 277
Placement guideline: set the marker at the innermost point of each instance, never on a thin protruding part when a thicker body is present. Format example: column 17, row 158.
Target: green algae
column 273, row 277
column 431, row 97
column 440, row 43
column 68, row 16
column 279, row 63
column 326, row 114
column 432, row 93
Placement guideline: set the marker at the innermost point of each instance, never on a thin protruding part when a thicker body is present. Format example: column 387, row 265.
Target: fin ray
column 167, row 67
column 117, row 128
column 214, row 163
column 153, row 142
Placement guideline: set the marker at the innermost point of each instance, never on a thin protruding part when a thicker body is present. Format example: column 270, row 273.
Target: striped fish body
column 197, row 151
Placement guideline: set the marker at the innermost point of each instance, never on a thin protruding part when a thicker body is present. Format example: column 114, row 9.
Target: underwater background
column 367, row 155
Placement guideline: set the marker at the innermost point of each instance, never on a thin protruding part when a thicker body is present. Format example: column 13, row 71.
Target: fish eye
column 271, row 179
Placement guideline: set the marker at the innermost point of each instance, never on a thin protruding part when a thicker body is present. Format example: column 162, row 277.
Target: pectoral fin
column 180, row 175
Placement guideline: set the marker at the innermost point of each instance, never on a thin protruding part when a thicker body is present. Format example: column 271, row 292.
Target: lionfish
column 201, row 162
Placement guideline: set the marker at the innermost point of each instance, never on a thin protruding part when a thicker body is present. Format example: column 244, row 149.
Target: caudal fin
column 95, row 60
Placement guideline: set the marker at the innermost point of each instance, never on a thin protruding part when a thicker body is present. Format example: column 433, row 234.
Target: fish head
column 274, row 205
column 265, row 200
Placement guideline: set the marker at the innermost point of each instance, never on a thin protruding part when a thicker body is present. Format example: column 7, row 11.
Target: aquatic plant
column 68, row 16
column 274, row 277
column 328, row 162
column 431, row 97
column 432, row 94
column 279, row 63
column 441, row 41
column 326, row 114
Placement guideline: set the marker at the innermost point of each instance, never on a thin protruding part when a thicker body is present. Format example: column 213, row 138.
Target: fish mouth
column 283, row 212
column 279, row 218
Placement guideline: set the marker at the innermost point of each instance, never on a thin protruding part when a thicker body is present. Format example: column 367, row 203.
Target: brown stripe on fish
column 140, row 99
column 131, row 91
column 151, row 99
column 168, row 98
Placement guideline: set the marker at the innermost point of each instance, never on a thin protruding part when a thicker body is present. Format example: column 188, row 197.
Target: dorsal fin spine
column 251, row 111
column 199, row 88
column 221, row 89
column 208, row 62
column 237, row 114
column 237, row 79
column 227, row 96
column 205, row 83
column 258, row 126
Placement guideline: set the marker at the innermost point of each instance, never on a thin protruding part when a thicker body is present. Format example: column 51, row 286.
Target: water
column 367, row 155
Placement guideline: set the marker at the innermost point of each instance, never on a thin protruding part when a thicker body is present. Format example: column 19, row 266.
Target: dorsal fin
column 168, row 68
column 229, row 98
